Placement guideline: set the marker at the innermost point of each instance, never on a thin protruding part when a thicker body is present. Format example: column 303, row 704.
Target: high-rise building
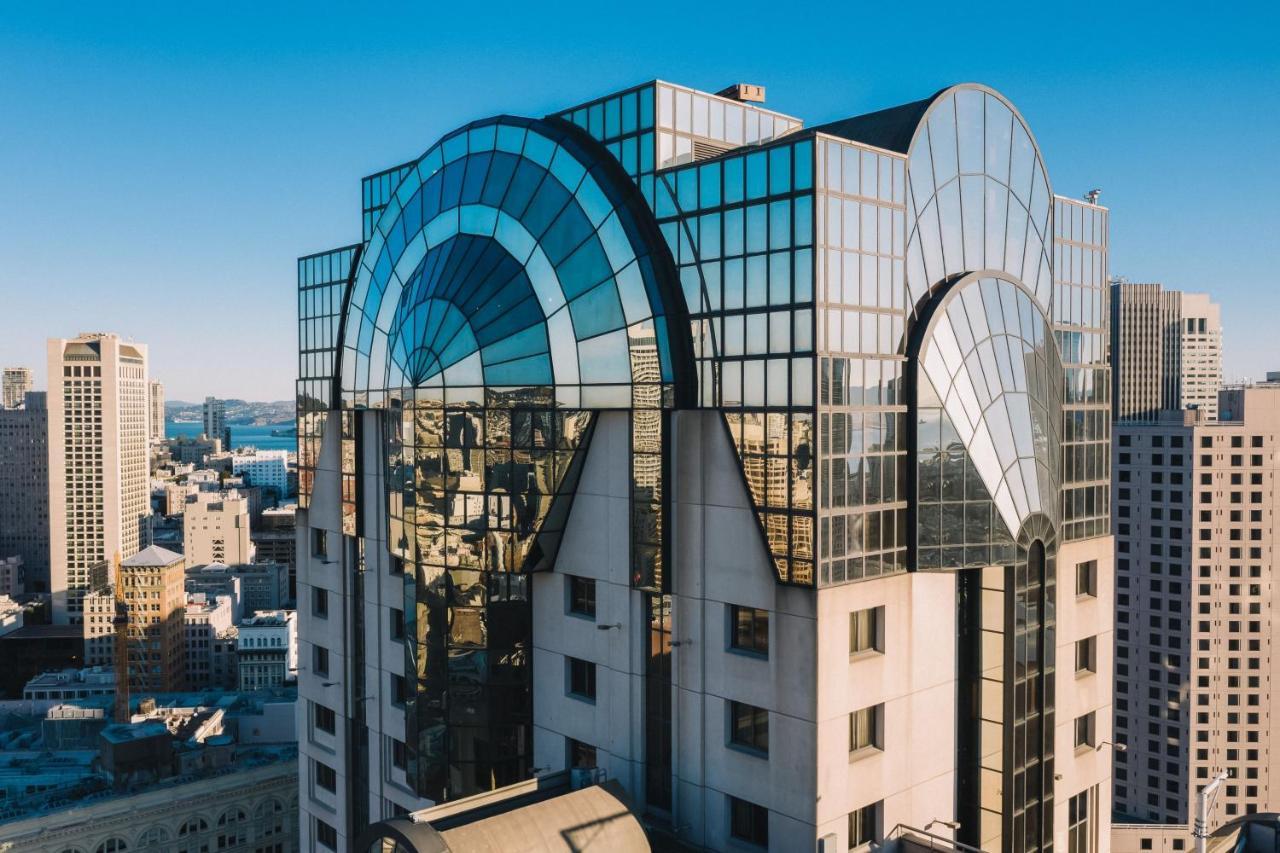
column 1166, row 351
column 24, row 487
column 156, row 400
column 215, row 528
column 99, row 485
column 214, row 414
column 16, row 383
column 1196, row 668
column 780, row 454
column 155, row 603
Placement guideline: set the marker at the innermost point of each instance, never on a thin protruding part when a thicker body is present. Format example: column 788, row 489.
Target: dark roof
column 891, row 129
column 47, row 632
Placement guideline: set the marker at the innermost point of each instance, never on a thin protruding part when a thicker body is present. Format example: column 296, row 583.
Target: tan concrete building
column 156, row 402
column 155, row 600
column 99, row 486
column 215, row 528
column 1166, row 351
column 1195, row 510
column 17, row 382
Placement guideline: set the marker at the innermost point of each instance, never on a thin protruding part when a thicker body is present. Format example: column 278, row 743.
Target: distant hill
column 238, row 411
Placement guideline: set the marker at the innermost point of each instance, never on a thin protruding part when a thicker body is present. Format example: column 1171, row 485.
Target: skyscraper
column 24, row 487
column 156, row 400
column 99, row 491
column 17, row 382
column 214, row 413
column 780, row 454
column 1166, row 351
column 1196, row 667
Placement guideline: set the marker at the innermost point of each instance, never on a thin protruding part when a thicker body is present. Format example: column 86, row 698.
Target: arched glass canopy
column 978, row 195
column 511, row 257
column 988, row 415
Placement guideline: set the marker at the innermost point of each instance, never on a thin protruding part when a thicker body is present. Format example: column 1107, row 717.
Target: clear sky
column 161, row 167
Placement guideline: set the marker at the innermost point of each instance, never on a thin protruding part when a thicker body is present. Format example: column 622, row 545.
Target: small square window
column 326, row 835
column 749, row 727
column 320, row 660
column 581, row 755
column 319, row 542
column 865, row 825
column 582, row 597
column 749, row 630
column 324, row 718
column 399, row 754
column 748, row 822
column 1085, row 731
column 866, row 630
column 582, row 678
column 1087, row 655
column 320, row 602
column 866, row 729
column 326, row 777
column 1087, row 578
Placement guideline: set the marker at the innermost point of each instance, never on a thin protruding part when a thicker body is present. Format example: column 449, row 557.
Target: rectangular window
column 582, row 597
column 319, row 543
column 864, row 825
column 1087, row 578
column 1079, row 828
column 866, row 729
column 1085, row 731
column 748, row 822
column 320, row 660
column 1087, row 655
column 866, row 630
column 749, row 727
column 397, row 623
column 320, row 602
column 399, row 689
column 399, row 758
column 749, row 630
column 323, row 718
column 326, row 835
column 581, row 755
column 582, row 678
column 326, row 777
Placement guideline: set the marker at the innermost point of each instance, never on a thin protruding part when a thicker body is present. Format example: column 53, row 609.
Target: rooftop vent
column 744, row 92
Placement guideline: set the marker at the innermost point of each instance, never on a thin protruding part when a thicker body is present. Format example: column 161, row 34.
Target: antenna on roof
column 1092, row 195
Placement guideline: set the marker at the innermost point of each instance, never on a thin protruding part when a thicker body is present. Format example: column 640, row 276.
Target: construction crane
column 120, row 624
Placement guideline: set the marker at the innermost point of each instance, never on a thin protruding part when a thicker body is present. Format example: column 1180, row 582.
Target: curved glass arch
column 508, row 257
column 978, row 196
column 988, row 422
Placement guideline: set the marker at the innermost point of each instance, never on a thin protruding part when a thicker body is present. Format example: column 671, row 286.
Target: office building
column 99, row 477
column 16, row 384
column 267, row 649
column 154, row 603
column 214, row 415
column 268, row 469
column 98, row 625
column 1196, row 591
column 275, row 541
column 215, row 528
column 1166, row 351
column 205, row 619
column 12, row 576
column 24, row 487
column 833, row 404
column 252, row 587
column 156, row 402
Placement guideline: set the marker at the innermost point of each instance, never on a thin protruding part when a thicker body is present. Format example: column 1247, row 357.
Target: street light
column 1118, row 747
column 953, row 825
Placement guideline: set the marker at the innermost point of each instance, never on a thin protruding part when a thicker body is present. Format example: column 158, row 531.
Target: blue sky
column 161, row 167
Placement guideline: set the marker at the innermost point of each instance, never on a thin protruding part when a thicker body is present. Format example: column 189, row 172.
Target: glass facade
column 902, row 328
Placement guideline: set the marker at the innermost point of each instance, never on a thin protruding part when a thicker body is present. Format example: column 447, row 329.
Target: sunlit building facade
column 778, row 454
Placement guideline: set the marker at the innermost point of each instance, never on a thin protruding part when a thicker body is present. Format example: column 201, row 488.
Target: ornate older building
column 763, row 467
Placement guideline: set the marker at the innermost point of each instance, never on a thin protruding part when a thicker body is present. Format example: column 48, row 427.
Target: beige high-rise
column 1166, row 351
column 17, row 382
column 1196, row 596
column 99, row 494
column 215, row 528
column 156, row 402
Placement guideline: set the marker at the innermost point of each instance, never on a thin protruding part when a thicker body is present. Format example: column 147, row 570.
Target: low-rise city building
column 215, row 528
column 205, row 619
column 71, row 684
column 267, row 649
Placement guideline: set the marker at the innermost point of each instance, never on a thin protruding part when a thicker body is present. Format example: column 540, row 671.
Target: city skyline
column 198, row 178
